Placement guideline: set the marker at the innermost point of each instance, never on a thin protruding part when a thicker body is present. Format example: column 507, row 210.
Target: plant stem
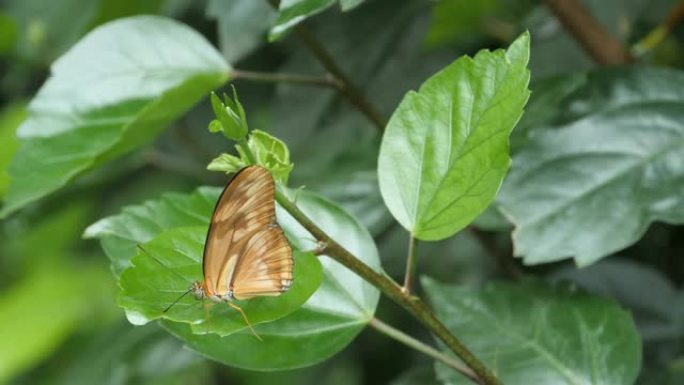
column 346, row 86
column 660, row 32
column 245, row 148
column 411, row 262
column 327, row 81
column 423, row 348
column 596, row 40
column 414, row 305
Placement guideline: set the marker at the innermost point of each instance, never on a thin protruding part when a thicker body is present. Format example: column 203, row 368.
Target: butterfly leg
column 244, row 316
column 207, row 315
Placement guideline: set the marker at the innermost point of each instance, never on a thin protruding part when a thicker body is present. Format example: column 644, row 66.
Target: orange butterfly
column 246, row 253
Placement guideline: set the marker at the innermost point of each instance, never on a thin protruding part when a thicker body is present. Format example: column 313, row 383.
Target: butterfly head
column 197, row 290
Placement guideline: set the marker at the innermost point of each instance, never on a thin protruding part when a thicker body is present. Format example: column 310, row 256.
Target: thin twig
column 596, row 40
column 411, row 261
column 347, row 87
column 326, row 81
column 423, row 348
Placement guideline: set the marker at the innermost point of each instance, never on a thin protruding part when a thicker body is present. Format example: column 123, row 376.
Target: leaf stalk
column 411, row 263
column 411, row 342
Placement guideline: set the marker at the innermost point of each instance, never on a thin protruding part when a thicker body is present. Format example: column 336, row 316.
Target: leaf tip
column 519, row 50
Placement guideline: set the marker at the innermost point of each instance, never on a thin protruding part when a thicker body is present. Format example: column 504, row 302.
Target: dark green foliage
column 104, row 146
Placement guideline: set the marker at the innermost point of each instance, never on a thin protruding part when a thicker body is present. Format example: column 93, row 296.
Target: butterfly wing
column 245, row 208
column 265, row 266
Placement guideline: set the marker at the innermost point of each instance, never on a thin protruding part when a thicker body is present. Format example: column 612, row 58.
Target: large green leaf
column 112, row 92
column 120, row 234
column 530, row 333
column 173, row 260
column 610, row 162
column 445, row 150
column 326, row 323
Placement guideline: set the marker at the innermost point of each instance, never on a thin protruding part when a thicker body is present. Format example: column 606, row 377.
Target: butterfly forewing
column 243, row 218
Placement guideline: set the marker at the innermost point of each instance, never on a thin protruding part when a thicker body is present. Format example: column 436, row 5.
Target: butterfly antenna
column 169, row 269
column 162, row 264
column 176, row 301
column 244, row 316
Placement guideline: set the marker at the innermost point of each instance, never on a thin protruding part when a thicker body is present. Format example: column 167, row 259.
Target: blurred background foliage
column 59, row 323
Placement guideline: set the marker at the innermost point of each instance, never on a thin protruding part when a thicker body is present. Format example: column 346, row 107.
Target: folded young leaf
column 531, row 333
column 607, row 165
column 444, row 153
column 112, row 92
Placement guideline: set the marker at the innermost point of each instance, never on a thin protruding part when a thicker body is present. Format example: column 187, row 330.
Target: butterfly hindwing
column 265, row 267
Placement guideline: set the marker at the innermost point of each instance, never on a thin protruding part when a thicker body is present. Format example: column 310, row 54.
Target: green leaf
column 529, row 332
column 10, row 118
column 545, row 105
column 324, row 325
column 293, row 12
column 226, row 163
column 348, row 5
column 121, row 93
column 120, row 234
column 54, row 301
column 174, row 261
column 607, row 165
column 242, row 25
column 652, row 302
column 444, row 153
